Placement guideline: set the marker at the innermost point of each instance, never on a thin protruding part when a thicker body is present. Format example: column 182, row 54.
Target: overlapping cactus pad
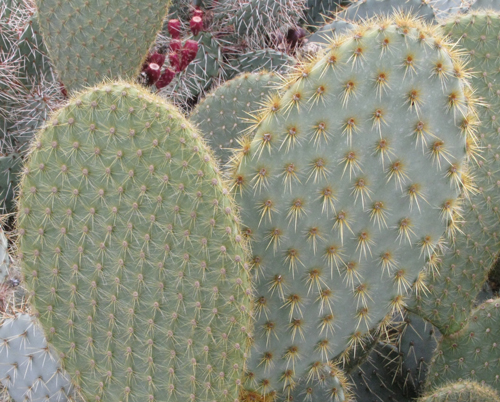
column 105, row 39
column 130, row 246
column 346, row 189
column 224, row 115
column 29, row 368
column 466, row 391
column 473, row 353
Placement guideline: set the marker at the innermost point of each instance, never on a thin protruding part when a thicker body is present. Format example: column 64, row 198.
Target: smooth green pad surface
column 365, row 9
column 29, row 369
column 225, row 113
column 472, row 353
column 345, row 191
column 92, row 40
column 131, row 249
column 466, row 391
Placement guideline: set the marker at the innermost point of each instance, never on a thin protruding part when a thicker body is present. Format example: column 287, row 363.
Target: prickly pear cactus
column 464, row 267
column 28, row 88
column 346, row 189
column 255, row 20
column 106, row 40
column 465, row 391
column 325, row 34
column 10, row 168
column 224, row 115
column 485, row 5
column 261, row 60
column 29, row 368
column 364, row 9
column 472, row 353
column 130, row 246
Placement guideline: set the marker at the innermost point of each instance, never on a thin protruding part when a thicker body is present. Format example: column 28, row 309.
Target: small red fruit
column 175, row 45
column 153, row 72
column 156, row 58
column 165, row 79
column 174, row 28
column 196, row 25
column 188, row 53
column 175, row 61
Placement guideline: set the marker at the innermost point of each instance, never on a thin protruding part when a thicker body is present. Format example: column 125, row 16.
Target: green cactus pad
column 259, row 60
column 10, row 168
column 445, row 8
column 255, row 20
column 466, row 264
column 466, row 391
column 365, row 9
column 472, row 353
column 91, row 40
column 415, row 344
column 346, row 189
column 29, row 369
column 224, row 114
column 317, row 10
column 492, row 5
column 325, row 34
column 28, row 88
column 460, row 273
column 130, row 246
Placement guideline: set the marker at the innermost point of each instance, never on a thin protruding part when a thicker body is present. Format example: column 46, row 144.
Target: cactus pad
column 466, row 391
column 10, row 167
column 29, row 368
column 90, row 40
column 365, row 9
column 346, row 189
column 472, row 353
column 130, row 247
column 224, row 114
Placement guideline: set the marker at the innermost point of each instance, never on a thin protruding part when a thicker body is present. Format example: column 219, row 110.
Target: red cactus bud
column 196, row 25
column 153, row 72
column 174, row 28
column 175, row 45
column 198, row 13
column 188, row 53
column 156, row 58
column 175, row 61
column 165, row 79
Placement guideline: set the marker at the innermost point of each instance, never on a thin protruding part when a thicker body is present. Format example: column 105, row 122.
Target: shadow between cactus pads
column 346, row 189
column 131, row 249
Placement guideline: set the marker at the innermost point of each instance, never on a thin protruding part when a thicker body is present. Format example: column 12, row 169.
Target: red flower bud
column 165, row 79
column 175, row 61
column 175, row 45
column 198, row 13
column 174, row 28
column 196, row 25
column 188, row 53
